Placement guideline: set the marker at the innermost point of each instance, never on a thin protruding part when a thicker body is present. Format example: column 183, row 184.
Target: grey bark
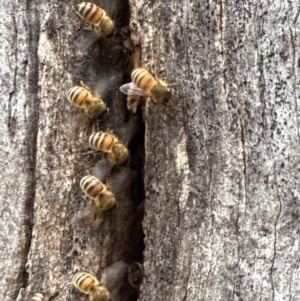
column 19, row 27
column 47, row 235
column 221, row 161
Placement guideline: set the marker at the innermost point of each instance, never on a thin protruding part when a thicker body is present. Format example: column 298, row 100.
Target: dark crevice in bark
column 32, row 101
column 211, row 173
column 120, row 233
column 178, row 215
column 66, row 217
column 295, row 79
column 243, row 152
column 275, row 232
column 221, row 25
column 290, row 285
column 297, row 16
column 11, row 119
column 186, row 285
column 238, row 277
column 262, row 86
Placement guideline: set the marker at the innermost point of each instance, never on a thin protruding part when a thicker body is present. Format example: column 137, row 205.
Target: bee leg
column 85, row 86
column 76, row 12
column 88, row 112
column 91, row 152
column 153, row 99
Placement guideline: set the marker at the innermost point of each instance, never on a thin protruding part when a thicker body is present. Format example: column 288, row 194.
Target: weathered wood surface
column 45, row 153
column 62, row 244
column 18, row 116
column 222, row 163
column 222, row 160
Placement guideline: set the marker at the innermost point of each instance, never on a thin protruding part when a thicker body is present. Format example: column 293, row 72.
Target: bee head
column 119, row 153
column 162, row 94
column 94, row 108
column 168, row 95
column 135, row 268
column 99, row 293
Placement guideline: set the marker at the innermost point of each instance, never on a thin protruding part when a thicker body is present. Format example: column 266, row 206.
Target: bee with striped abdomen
column 83, row 98
column 117, row 152
column 144, row 84
column 96, row 18
column 104, row 196
column 88, row 284
column 99, row 192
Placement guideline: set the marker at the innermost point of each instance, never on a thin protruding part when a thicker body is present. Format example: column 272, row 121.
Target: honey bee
column 135, row 275
column 96, row 18
column 82, row 97
column 37, row 297
column 126, row 37
column 104, row 196
column 127, row 54
column 100, row 193
column 117, row 152
column 144, row 84
column 88, row 284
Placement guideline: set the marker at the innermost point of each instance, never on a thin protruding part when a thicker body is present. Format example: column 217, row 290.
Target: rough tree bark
column 19, row 116
column 221, row 160
column 222, row 163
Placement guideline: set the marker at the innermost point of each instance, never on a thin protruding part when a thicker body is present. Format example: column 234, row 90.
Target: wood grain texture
column 222, row 162
column 18, row 117
column 48, row 233
column 66, row 239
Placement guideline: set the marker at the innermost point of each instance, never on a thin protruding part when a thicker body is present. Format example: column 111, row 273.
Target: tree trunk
column 222, row 163
column 219, row 172
column 19, row 118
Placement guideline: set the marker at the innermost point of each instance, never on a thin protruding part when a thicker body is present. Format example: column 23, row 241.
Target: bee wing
column 115, row 10
column 77, row 123
column 130, row 129
column 132, row 89
column 85, row 40
column 108, row 82
column 88, row 215
column 110, row 7
column 112, row 276
column 122, row 179
column 101, row 169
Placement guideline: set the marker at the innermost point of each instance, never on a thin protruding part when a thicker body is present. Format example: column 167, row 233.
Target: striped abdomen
column 102, row 141
column 92, row 186
column 37, row 297
column 78, row 95
column 143, row 79
column 85, row 282
column 90, row 12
